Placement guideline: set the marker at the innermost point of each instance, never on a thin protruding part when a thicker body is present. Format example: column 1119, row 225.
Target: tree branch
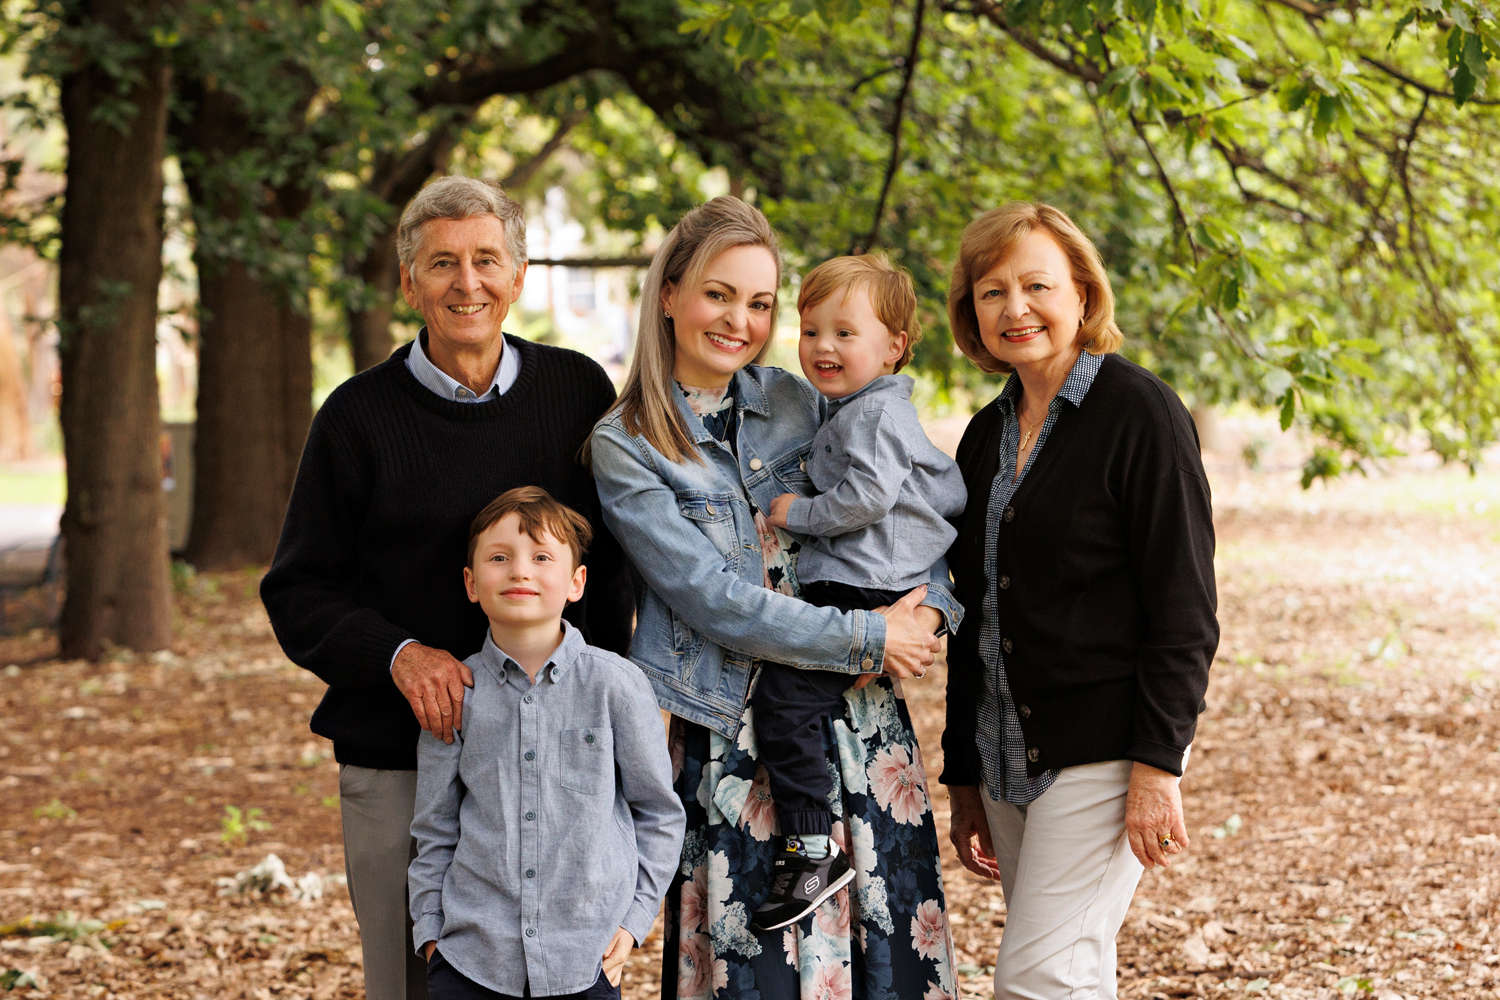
column 909, row 72
column 1308, row 9
column 1166, row 183
column 526, row 169
column 1430, row 91
column 1029, row 42
column 590, row 262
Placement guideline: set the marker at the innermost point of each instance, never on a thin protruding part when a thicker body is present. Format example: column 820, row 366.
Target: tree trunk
column 254, row 408
column 254, row 354
column 370, row 329
column 114, row 525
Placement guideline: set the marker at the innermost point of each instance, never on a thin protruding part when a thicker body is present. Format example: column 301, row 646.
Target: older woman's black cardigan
column 1109, row 612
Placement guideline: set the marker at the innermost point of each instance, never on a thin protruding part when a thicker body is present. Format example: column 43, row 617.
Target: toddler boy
column 547, row 831
column 876, row 528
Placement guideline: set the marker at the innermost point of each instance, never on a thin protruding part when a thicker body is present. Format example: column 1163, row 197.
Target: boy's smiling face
column 844, row 345
column 520, row 581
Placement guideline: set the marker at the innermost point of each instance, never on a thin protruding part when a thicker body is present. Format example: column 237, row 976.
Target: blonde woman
column 1075, row 683
column 687, row 463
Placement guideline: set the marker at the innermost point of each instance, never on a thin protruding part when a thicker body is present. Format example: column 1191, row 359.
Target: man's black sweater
column 372, row 550
column 1105, row 568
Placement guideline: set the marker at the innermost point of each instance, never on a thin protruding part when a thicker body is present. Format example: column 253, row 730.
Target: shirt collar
column 444, row 385
column 1074, row 387
column 563, row 658
column 900, row 385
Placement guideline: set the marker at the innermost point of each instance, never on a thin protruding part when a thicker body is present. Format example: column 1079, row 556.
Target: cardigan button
column 1006, row 645
column 1010, row 513
column 1004, row 582
column 755, row 465
column 1033, row 754
column 1024, row 710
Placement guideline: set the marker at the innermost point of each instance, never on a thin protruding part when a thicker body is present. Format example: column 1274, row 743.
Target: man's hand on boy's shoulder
column 616, row 954
column 433, row 681
column 780, row 507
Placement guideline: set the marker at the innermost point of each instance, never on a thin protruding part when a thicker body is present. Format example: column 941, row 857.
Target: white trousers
column 1068, row 876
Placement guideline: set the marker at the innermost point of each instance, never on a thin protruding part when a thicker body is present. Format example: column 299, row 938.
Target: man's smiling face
column 462, row 281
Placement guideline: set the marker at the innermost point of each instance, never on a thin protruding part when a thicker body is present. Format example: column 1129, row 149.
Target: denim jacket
column 704, row 618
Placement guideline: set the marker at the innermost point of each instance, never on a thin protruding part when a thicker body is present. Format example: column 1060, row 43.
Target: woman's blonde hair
column 990, row 238
column 646, row 403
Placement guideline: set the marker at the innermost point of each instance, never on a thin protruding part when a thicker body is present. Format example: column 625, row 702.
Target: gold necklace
column 1025, row 435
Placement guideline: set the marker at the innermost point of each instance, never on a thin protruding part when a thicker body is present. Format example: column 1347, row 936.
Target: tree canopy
column 1294, row 198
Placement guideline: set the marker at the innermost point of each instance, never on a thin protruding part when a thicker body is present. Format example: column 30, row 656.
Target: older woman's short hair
column 456, row 197
column 990, row 238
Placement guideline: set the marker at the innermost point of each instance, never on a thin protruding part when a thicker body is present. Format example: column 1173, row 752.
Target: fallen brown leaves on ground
column 1343, row 796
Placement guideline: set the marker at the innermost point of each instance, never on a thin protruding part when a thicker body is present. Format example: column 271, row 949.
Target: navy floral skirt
column 884, row 937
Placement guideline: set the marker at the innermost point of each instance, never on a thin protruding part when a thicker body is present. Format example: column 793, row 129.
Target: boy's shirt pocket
column 587, row 760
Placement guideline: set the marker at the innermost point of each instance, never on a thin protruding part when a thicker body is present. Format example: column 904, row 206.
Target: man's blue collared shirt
column 440, row 382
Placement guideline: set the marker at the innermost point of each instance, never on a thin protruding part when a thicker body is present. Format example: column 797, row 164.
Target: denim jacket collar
column 748, row 394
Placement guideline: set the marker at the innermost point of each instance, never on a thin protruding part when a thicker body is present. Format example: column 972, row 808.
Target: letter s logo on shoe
column 812, row 885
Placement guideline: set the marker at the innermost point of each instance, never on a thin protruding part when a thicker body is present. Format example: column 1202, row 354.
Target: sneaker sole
column 834, row 887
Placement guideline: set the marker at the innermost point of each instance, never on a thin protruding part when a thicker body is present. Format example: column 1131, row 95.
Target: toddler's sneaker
column 801, row 885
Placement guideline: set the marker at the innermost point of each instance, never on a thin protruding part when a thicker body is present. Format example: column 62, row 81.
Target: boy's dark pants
column 791, row 708
column 444, row 982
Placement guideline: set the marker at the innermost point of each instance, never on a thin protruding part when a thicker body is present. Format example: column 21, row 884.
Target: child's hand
column 779, row 508
column 615, row 955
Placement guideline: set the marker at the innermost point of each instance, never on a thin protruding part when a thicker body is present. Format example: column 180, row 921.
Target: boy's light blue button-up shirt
column 547, row 824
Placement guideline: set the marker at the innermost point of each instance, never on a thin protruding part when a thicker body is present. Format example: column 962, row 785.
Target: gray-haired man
column 367, row 586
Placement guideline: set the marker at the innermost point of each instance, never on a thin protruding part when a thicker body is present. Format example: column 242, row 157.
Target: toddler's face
column 844, row 346
column 518, row 580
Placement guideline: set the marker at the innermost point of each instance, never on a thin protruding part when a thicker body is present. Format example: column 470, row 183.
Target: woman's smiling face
column 1028, row 306
column 722, row 321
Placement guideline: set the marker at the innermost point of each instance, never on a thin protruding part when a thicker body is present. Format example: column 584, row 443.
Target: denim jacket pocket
column 588, row 759
column 713, row 513
column 791, row 473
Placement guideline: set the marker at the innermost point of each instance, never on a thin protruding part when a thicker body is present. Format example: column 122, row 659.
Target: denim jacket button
column 868, row 663
column 755, row 464
column 802, row 466
column 710, row 509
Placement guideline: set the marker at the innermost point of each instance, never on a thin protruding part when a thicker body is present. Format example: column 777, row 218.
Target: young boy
column 876, row 528
column 547, row 831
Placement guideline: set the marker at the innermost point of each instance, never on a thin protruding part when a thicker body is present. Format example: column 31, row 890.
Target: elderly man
column 367, row 589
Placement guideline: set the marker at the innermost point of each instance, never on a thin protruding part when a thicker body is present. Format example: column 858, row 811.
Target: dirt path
column 1353, row 728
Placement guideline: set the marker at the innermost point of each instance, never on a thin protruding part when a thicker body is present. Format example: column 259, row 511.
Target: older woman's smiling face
column 462, row 281
column 1028, row 306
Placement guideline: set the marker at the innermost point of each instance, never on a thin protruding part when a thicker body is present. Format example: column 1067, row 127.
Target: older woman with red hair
column 1075, row 682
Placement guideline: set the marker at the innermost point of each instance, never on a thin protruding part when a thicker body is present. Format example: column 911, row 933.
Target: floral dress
column 884, row 937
